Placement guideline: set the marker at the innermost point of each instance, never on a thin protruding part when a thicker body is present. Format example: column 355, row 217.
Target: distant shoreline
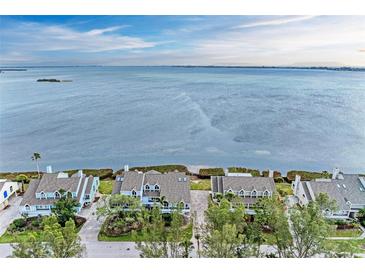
column 334, row 68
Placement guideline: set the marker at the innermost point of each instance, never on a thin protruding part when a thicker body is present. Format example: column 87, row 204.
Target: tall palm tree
column 35, row 157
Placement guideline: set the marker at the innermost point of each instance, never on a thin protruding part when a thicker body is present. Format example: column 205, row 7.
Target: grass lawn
column 200, row 184
column 345, row 232
column 106, row 187
column 139, row 236
column 284, row 189
column 11, row 238
column 359, row 244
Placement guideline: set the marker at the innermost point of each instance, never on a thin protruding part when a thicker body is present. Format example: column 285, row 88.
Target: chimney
column 49, row 169
column 271, row 173
column 126, row 168
column 335, row 173
column 79, row 173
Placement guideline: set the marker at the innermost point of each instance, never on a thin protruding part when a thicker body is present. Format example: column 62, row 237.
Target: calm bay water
column 109, row 116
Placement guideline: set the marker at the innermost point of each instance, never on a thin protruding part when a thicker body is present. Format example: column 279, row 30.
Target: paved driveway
column 199, row 204
column 96, row 249
column 9, row 214
column 5, row 250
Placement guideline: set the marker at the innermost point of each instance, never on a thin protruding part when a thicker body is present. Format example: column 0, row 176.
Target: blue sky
column 182, row 40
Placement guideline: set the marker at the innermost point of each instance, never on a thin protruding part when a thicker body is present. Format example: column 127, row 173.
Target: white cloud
column 275, row 22
column 106, row 30
column 37, row 37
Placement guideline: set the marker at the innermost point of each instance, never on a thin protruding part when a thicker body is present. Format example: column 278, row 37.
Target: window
column 185, row 179
column 11, row 188
column 165, row 204
column 27, row 207
column 186, row 206
column 57, row 195
column 179, row 179
column 43, row 195
column 266, row 193
column 87, row 196
column 157, row 188
column 241, row 193
column 134, row 193
column 147, row 187
column 254, row 194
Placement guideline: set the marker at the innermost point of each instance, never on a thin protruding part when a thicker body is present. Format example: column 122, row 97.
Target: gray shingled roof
column 35, row 185
column 174, row 190
column 132, row 180
column 336, row 190
column 117, row 187
column 236, row 183
column 89, row 184
column 50, row 183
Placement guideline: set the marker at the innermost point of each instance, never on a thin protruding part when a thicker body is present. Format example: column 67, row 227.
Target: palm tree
column 35, row 157
column 162, row 200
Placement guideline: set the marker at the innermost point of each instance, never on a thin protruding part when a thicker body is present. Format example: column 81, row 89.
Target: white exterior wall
column 6, row 188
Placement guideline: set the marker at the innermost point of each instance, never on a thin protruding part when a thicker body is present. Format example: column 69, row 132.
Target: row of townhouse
column 171, row 190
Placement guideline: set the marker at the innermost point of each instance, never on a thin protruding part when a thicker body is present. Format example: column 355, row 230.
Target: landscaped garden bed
column 22, row 228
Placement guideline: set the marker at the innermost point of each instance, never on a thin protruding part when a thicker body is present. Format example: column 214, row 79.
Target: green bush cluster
column 103, row 173
column 277, row 174
column 307, row 175
column 211, row 172
column 254, row 172
column 161, row 168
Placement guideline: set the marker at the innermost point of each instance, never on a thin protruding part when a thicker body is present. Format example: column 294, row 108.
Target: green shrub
column 211, row 172
column 103, row 173
column 277, row 174
column 20, row 223
column 161, row 168
column 307, row 175
column 254, row 172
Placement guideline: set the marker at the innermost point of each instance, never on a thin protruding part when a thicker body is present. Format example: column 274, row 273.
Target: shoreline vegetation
column 53, row 80
column 198, row 173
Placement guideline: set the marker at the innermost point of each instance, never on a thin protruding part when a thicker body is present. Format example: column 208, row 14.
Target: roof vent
column 344, row 186
column 179, row 179
column 338, row 186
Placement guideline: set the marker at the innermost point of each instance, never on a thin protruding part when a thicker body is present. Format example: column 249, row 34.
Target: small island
column 53, row 80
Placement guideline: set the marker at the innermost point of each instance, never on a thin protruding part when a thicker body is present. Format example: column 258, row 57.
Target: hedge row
column 13, row 175
column 103, row 173
column 254, row 172
column 307, row 175
column 277, row 174
column 211, row 172
column 161, row 168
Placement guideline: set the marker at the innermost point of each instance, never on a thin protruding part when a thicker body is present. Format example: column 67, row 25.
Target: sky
column 183, row 40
